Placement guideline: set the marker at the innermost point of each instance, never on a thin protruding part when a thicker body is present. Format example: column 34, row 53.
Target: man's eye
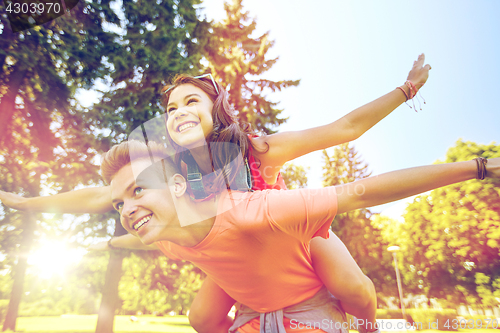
column 138, row 190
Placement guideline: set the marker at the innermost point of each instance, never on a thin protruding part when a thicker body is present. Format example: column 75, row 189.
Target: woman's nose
column 181, row 112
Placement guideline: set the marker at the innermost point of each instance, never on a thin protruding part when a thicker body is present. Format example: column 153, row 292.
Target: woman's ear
column 179, row 185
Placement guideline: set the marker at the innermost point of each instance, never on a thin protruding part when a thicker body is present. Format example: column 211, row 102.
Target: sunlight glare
column 54, row 258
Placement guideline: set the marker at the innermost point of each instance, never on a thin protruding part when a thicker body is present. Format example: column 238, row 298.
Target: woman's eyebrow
column 185, row 97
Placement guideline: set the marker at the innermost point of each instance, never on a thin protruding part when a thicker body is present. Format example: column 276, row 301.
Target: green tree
column 41, row 69
column 294, row 176
column 161, row 285
column 363, row 239
column 452, row 235
column 159, row 39
column 238, row 60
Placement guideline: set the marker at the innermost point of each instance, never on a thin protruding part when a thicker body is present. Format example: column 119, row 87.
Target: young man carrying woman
column 255, row 245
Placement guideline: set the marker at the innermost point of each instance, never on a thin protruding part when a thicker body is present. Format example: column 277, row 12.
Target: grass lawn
column 144, row 324
column 86, row 324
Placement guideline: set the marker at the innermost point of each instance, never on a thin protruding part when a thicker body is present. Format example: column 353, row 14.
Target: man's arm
column 92, row 200
column 127, row 241
column 400, row 184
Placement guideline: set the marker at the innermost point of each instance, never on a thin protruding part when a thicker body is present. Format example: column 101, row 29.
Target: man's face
column 145, row 205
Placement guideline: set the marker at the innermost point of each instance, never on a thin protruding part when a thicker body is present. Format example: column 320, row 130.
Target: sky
column 348, row 53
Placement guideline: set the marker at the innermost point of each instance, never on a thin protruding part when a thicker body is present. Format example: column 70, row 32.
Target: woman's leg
column 344, row 279
column 209, row 309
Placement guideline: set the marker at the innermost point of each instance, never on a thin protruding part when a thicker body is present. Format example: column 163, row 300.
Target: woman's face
column 189, row 118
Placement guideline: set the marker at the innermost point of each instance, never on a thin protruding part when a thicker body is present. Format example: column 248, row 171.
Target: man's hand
column 12, row 200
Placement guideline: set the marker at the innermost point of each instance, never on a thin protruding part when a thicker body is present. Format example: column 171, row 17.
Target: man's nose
column 129, row 210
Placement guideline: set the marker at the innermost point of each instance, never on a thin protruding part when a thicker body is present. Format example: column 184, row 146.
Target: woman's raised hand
column 419, row 72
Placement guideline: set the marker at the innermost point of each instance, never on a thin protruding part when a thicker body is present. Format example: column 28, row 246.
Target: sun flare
column 54, row 258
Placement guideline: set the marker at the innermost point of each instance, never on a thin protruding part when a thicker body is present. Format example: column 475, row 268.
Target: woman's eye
column 138, row 190
column 192, row 100
column 171, row 110
column 119, row 206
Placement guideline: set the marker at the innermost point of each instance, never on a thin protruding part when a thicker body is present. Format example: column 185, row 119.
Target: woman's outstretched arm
column 92, row 200
column 404, row 183
column 209, row 310
column 286, row 146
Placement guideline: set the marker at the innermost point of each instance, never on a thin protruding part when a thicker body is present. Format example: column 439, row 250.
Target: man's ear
column 179, row 187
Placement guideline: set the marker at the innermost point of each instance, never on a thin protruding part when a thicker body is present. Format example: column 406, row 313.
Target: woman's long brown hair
column 226, row 128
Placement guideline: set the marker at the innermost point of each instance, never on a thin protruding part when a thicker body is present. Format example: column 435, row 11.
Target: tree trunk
column 6, row 40
column 110, row 299
column 8, row 103
column 19, row 272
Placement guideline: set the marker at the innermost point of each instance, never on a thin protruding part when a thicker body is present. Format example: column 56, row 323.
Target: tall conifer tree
column 238, row 61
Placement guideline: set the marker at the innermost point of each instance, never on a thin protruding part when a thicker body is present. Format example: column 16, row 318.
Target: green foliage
column 487, row 290
column 160, row 39
column 294, row 176
column 443, row 319
column 40, row 70
column 451, row 236
column 43, row 139
column 236, row 58
column 152, row 283
column 363, row 239
column 77, row 291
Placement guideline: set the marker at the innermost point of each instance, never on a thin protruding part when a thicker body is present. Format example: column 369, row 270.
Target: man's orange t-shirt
column 258, row 249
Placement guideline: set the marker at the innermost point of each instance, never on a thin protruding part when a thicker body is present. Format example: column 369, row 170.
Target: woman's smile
column 186, row 126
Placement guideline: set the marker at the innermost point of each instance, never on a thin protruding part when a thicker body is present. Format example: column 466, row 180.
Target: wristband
column 481, row 167
column 404, row 92
column 413, row 93
column 413, row 89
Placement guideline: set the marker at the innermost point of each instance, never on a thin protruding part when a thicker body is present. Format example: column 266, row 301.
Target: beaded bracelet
column 413, row 93
column 413, row 89
column 481, row 167
column 404, row 92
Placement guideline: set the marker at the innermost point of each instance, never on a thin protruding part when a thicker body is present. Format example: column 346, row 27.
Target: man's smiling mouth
column 142, row 222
